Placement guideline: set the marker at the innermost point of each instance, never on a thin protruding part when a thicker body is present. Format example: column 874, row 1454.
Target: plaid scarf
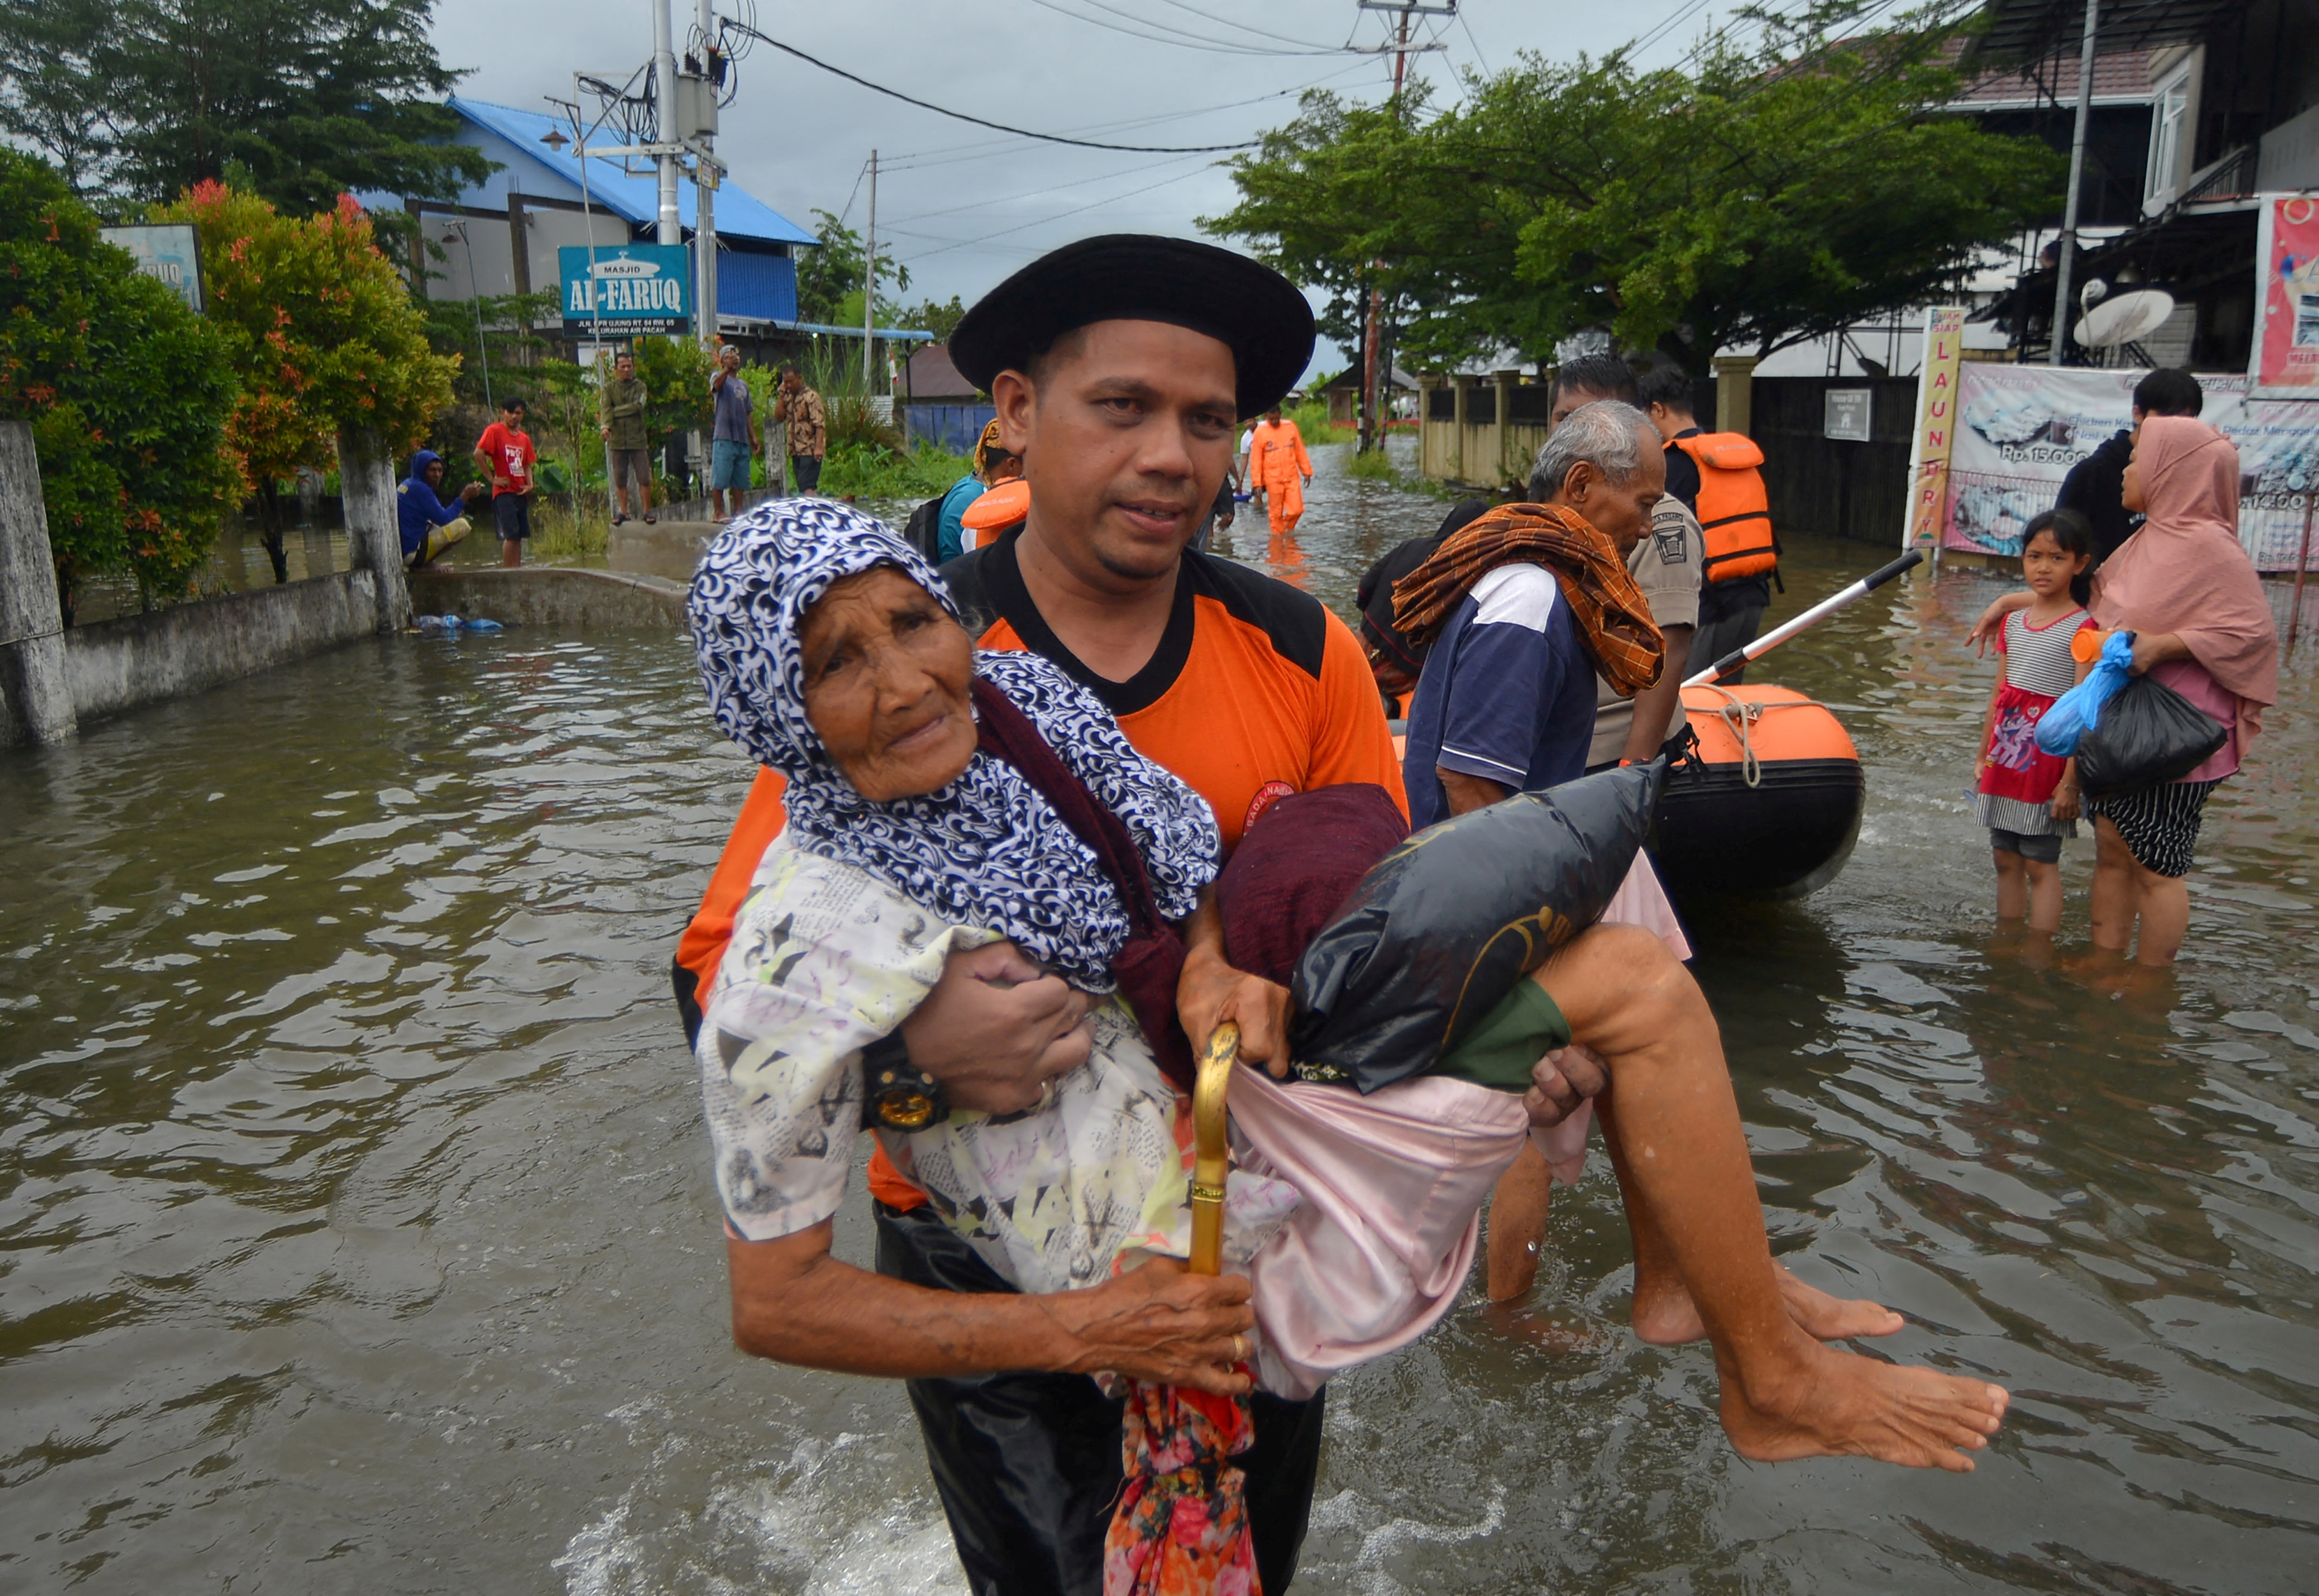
column 1614, row 619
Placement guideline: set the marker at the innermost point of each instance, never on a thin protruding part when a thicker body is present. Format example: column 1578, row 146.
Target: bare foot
column 1841, row 1404
column 1664, row 1314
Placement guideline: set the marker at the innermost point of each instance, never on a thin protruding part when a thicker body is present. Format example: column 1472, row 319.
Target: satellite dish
column 2124, row 317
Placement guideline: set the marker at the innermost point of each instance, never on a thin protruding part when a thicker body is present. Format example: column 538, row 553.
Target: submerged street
column 360, row 1235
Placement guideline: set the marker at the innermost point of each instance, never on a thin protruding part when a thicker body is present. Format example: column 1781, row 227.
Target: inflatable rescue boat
column 1769, row 804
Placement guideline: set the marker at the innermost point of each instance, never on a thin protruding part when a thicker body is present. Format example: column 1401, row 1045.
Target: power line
column 1177, row 37
column 981, row 204
column 950, row 244
column 792, row 50
column 977, row 149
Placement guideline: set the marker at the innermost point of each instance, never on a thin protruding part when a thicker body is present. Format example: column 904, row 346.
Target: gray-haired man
column 1506, row 703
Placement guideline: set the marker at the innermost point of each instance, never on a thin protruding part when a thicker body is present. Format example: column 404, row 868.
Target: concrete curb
column 552, row 596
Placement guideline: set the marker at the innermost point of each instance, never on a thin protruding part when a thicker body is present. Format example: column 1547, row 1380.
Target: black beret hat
column 1142, row 278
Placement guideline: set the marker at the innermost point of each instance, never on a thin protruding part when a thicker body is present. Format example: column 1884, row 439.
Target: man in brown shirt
column 799, row 407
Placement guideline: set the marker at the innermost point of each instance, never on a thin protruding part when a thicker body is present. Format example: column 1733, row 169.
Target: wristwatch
column 900, row 1095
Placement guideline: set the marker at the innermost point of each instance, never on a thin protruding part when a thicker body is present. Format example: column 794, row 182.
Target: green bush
column 1312, row 419
column 126, row 391
column 873, row 471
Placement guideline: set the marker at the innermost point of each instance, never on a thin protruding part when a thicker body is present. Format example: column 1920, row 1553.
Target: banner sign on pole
column 1935, row 435
column 626, row 289
column 2022, row 427
column 168, row 252
column 2286, row 360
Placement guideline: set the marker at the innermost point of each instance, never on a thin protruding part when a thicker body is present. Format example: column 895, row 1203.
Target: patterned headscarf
column 989, row 454
column 988, row 850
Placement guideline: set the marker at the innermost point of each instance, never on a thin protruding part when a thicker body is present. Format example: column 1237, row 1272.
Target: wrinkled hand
column 1561, row 1081
column 2065, row 803
column 996, row 1029
column 1162, row 1326
column 1212, row 992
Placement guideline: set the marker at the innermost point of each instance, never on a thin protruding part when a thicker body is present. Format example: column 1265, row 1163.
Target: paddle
column 1812, row 616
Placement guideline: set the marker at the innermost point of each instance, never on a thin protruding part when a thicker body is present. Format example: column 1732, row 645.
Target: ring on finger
column 1240, row 1349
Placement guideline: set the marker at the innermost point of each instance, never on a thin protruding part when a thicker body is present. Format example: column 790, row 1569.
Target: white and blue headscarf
column 988, row 850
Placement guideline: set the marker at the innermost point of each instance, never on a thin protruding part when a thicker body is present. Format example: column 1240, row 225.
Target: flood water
column 358, row 1236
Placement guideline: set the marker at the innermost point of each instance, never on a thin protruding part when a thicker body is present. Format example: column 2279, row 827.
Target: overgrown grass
column 875, row 470
column 1372, row 466
column 560, row 537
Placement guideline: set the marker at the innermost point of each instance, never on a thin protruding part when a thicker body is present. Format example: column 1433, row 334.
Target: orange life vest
column 1734, row 511
column 997, row 510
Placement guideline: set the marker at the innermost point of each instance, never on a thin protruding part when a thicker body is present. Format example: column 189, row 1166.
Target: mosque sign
column 622, row 290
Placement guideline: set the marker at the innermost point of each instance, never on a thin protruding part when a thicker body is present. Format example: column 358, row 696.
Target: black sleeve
column 1683, row 479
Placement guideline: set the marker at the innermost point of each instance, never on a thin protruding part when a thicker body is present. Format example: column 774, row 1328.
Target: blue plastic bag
column 2079, row 710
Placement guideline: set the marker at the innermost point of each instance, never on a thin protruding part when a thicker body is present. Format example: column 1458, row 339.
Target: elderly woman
column 828, row 651
column 2184, row 588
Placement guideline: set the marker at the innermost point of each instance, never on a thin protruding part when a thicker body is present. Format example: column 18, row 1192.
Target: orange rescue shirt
column 1255, row 692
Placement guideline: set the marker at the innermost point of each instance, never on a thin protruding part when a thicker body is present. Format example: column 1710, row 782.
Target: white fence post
column 32, row 622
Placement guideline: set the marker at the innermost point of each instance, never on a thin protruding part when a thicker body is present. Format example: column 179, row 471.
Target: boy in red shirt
column 505, row 451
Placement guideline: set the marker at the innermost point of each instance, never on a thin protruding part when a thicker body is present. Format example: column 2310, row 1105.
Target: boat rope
column 1739, row 717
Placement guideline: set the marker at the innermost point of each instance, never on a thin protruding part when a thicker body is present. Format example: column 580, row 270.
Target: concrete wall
column 141, row 659
column 551, row 595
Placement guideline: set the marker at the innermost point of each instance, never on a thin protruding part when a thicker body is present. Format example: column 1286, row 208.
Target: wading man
column 1117, row 379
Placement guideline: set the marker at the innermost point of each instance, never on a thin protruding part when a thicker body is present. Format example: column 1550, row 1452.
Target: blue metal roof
column 739, row 215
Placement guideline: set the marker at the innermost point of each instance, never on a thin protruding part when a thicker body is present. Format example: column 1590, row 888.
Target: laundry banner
column 620, row 290
column 1935, row 431
column 2022, row 427
column 2286, row 359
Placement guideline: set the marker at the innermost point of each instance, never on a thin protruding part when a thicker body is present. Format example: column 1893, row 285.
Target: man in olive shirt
column 628, row 453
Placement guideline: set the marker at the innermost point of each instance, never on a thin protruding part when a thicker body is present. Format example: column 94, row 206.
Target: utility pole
column 705, row 177
column 869, row 282
column 2076, row 174
column 672, row 228
column 1372, row 423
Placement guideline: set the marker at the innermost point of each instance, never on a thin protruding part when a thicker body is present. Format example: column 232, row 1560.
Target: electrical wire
column 1179, row 39
column 951, row 244
column 792, row 50
column 979, row 148
column 1033, row 192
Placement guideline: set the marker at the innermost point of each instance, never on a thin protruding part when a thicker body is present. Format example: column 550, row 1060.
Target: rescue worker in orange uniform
column 1280, row 468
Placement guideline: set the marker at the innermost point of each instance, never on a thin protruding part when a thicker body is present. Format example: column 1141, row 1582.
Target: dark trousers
column 805, row 472
column 1730, row 614
column 1028, row 1464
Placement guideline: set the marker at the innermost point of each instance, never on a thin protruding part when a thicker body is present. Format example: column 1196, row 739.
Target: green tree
column 826, row 276
column 1771, row 194
column 934, row 315
column 322, row 333
column 675, row 373
column 126, row 391
column 298, row 101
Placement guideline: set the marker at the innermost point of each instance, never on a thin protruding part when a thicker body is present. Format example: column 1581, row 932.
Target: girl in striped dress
column 2027, row 798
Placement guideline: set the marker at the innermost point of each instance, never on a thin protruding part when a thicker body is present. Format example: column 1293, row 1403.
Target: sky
column 961, row 207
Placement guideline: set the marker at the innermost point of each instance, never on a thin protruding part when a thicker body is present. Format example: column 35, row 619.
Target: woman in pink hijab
column 2188, row 591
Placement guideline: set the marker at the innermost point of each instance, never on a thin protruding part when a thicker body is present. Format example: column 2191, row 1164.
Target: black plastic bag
column 1442, row 929
column 2148, row 733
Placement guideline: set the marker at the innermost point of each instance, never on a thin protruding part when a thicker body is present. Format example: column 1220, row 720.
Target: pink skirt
column 1391, row 1186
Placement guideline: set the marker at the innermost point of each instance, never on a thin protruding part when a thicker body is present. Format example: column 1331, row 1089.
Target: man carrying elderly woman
column 929, row 945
